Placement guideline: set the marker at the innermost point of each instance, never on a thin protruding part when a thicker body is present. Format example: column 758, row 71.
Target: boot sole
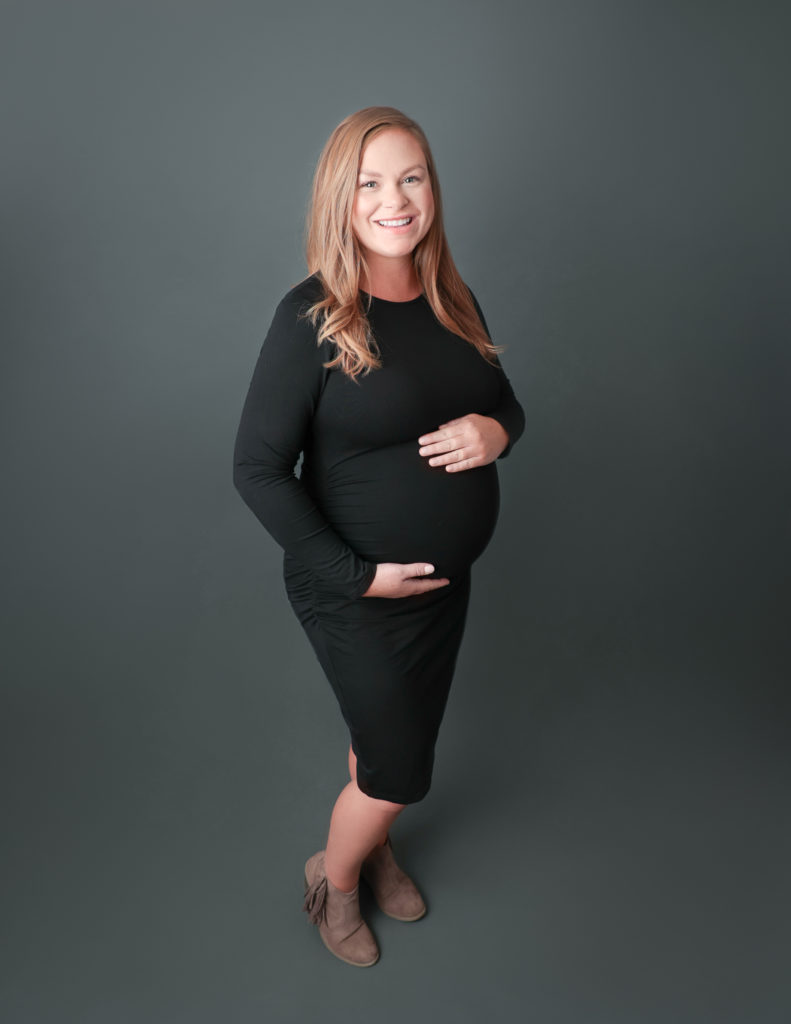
column 353, row 963
column 417, row 917
column 387, row 913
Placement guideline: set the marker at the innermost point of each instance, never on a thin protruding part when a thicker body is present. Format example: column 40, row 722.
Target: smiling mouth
column 400, row 222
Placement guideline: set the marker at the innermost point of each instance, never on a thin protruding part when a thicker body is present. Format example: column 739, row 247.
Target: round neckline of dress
column 394, row 302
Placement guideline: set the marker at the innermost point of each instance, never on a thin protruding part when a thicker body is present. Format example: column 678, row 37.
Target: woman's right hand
column 393, row 579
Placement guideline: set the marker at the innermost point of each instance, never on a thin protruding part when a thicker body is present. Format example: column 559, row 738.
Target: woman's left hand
column 464, row 443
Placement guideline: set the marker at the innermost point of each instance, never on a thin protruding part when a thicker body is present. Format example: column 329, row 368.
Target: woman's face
column 394, row 204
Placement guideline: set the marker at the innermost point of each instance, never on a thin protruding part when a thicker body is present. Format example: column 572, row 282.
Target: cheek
column 428, row 209
column 360, row 212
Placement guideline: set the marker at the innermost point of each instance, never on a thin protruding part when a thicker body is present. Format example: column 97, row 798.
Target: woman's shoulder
column 292, row 335
column 303, row 294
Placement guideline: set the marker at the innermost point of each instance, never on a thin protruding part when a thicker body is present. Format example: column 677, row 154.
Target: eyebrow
column 373, row 174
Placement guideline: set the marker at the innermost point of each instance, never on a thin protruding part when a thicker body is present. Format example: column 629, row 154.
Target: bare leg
column 358, row 823
column 353, row 777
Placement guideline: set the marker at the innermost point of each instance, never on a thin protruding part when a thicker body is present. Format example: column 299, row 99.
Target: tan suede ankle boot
column 394, row 891
column 337, row 914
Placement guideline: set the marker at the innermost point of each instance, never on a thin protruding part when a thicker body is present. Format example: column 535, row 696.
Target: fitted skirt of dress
column 390, row 662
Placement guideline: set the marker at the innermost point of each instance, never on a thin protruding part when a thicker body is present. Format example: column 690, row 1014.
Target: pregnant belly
column 390, row 505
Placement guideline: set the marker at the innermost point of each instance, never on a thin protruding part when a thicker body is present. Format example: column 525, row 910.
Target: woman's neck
column 397, row 284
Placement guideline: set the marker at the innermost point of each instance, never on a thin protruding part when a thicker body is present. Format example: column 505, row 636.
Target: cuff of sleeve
column 366, row 581
column 501, row 420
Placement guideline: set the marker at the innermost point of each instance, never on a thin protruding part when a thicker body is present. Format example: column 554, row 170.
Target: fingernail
column 428, row 568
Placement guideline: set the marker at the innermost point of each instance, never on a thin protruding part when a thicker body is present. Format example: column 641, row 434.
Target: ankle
column 344, row 884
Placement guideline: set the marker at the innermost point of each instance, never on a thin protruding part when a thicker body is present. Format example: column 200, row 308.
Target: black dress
column 365, row 496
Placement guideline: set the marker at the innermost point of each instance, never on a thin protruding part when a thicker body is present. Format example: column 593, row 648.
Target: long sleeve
column 273, row 430
column 508, row 412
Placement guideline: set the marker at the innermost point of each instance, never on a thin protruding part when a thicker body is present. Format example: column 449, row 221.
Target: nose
column 392, row 198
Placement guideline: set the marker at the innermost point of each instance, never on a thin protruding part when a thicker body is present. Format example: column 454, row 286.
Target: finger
column 423, row 586
column 412, row 569
column 450, row 442
column 437, row 435
column 444, row 460
column 456, row 467
column 461, row 454
column 440, row 448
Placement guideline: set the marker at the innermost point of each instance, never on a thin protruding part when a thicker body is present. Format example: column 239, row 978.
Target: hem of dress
column 397, row 798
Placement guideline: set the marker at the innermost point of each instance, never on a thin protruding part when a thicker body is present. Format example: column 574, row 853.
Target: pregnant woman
column 378, row 369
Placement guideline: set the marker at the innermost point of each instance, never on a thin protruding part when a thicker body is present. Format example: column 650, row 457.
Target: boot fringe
column 314, row 900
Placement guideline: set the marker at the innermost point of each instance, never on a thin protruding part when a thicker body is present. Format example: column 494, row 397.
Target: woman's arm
column 508, row 413
column 476, row 439
column 273, row 430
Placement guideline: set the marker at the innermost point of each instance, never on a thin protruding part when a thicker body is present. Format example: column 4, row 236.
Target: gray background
column 607, row 835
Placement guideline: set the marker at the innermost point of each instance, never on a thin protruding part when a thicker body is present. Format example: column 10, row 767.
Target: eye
column 365, row 184
column 413, row 177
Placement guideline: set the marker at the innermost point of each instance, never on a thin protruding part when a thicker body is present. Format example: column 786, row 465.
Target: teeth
column 394, row 223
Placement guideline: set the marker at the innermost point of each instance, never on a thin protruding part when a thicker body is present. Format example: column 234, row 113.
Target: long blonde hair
column 334, row 253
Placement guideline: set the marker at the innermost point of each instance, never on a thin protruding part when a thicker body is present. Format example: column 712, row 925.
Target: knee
column 389, row 807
